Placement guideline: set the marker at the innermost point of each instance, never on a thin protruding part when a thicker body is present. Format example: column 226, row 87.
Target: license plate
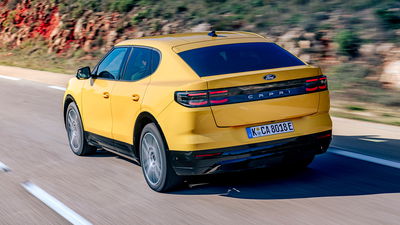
column 270, row 129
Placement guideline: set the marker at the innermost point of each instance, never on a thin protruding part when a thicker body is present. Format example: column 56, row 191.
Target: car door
column 128, row 94
column 97, row 117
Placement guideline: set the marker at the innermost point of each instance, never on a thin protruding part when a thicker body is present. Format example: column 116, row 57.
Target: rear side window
column 141, row 64
column 235, row 58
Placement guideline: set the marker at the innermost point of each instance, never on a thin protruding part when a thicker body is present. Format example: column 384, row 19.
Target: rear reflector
column 207, row 155
column 324, row 136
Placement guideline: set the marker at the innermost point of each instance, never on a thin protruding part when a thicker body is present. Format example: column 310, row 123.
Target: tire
column 156, row 167
column 76, row 138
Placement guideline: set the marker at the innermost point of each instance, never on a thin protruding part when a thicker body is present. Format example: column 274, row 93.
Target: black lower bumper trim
column 258, row 155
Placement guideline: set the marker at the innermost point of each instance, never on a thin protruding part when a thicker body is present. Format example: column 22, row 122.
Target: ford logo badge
column 269, row 77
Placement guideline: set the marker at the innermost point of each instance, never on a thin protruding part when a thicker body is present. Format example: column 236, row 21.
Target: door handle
column 106, row 95
column 135, row 97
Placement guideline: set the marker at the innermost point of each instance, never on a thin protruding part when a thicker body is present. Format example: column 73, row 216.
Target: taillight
column 192, row 98
column 323, row 83
column 317, row 84
column 202, row 98
column 218, row 97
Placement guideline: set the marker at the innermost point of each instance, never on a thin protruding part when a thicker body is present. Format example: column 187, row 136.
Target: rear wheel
column 76, row 138
column 156, row 167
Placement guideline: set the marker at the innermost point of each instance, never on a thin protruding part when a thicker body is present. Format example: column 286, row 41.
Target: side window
column 155, row 61
column 139, row 64
column 111, row 66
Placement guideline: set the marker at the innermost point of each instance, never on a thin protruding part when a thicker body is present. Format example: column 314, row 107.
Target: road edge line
column 54, row 204
column 4, row 167
column 384, row 162
column 9, row 78
column 57, row 87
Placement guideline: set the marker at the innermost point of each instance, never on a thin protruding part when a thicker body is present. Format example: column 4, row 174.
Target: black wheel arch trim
column 142, row 120
column 68, row 100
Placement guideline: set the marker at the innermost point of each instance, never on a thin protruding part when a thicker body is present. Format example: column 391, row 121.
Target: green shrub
column 348, row 42
column 123, row 5
column 141, row 16
column 257, row 3
column 389, row 15
column 347, row 75
column 355, row 108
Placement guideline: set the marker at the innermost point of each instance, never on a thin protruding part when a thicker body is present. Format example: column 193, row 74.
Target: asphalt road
column 107, row 189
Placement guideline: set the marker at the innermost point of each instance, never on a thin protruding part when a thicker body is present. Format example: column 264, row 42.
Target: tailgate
column 253, row 99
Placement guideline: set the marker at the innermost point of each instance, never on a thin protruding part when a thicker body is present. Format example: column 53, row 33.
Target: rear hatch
column 255, row 100
column 250, row 83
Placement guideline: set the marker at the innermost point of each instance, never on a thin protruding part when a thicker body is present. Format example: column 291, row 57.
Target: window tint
column 111, row 66
column 234, row 58
column 155, row 61
column 139, row 64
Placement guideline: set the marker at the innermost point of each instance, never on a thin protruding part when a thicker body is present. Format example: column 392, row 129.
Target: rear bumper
column 259, row 155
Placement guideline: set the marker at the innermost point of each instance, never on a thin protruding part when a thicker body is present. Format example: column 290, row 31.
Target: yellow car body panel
column 202, row 134
column 126, row 100
column 195, row 129
column 74, row 91
column 96, row 111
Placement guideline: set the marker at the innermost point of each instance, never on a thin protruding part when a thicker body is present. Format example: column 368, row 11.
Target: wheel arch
column 68, row 100
column 142, row 120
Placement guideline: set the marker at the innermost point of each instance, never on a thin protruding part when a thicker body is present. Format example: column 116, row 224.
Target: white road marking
column 58, row 88
column 373, row 140
column 9, row 78
column 54, row 204
column 364, row 157
column 4, row 167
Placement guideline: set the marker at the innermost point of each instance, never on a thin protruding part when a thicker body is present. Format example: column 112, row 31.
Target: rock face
column 201, row 27
column 44, row 20
column 391, row 74
column 99, row 31
column 367, row 49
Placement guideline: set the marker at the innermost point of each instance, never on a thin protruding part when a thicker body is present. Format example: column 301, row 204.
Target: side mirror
column 83, row 73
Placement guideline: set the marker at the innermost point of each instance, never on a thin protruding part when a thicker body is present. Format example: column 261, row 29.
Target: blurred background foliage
column 354, row 41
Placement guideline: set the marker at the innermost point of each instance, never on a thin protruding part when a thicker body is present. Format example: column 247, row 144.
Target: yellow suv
column 199, row 103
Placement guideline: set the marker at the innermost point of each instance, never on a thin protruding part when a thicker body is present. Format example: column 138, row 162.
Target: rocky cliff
column 92, row 31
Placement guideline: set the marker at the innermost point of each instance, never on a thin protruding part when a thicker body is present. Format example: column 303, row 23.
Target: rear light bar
column 251, row 92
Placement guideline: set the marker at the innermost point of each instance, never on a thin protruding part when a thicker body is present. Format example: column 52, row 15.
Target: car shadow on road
column 329, row 175
column 104, row 153
column 370, row 145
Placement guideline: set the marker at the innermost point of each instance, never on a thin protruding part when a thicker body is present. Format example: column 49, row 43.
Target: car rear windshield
column 235, row 58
